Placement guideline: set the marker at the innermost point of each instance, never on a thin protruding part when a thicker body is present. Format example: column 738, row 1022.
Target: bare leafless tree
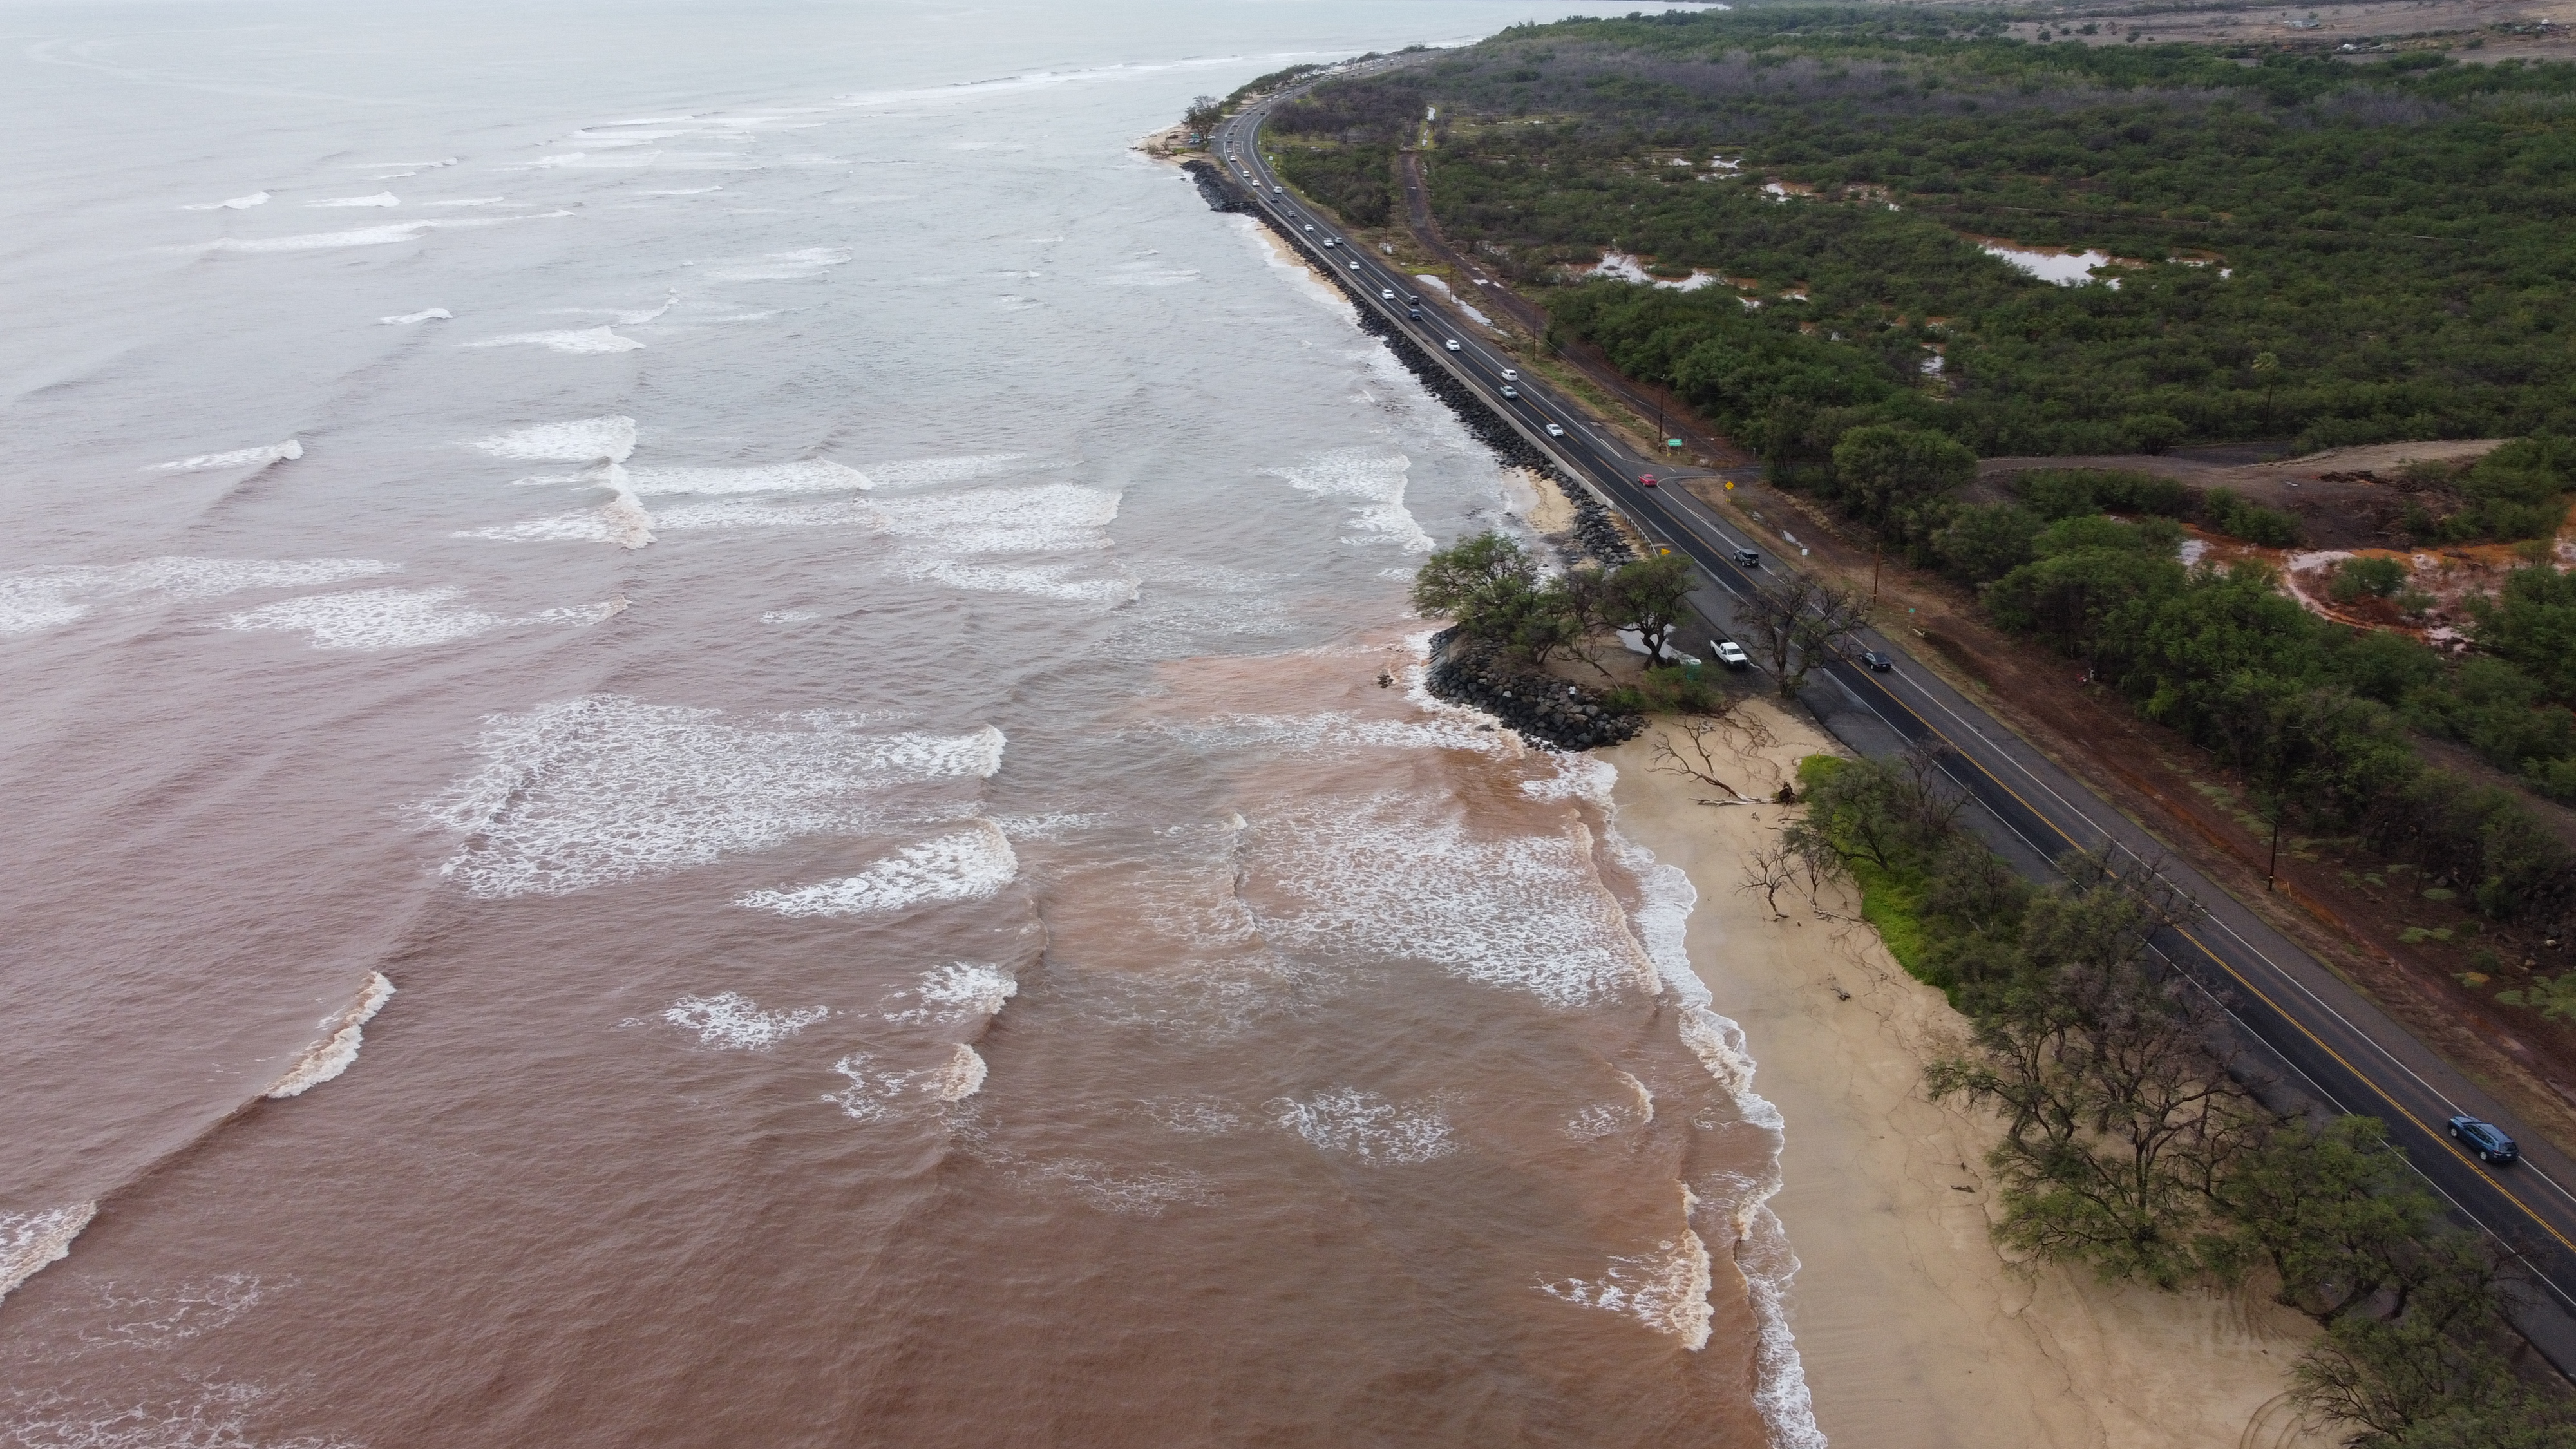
column 1697, row 747
column 1797, row 621
column 1771, row 870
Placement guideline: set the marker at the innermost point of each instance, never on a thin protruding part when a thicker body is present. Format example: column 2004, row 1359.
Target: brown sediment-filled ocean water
column 694, row 756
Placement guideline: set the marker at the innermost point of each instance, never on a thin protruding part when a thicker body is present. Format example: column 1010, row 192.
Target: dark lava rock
column 1217, row 188
column 1595, row 533
column 1547, row 712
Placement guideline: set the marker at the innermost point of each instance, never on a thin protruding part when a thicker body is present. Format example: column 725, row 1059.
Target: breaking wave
column 342, row 1035
column 1666, row 1290
column 237, row 458
column 30, row 1240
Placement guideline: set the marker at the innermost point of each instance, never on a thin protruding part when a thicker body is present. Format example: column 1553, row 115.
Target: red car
column 1645, row 480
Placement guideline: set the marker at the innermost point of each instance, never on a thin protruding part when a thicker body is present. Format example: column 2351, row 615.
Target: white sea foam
column 1395, row 876
column 238, row 203
column 929, row 473
column 1348, row 1122
column 373, row 618
column 685, row 191
column 30, row 1240
column 950, row 538
column 33, row 602
column 213, row 1415
column 381, row 198
column 759, row 513
column 586, row 440
column 1334, row 733
column 1045, row 581
column 591, row 527
column 1762, row 1252
column 469, row 201
column 729, row 1021
column 399, row 618
column 780, row 266
column 342, row 1035
column 586, row 340
column 872, row 1090
column 620, row 160
column 606, row 788
column 434, row 314
column 1372, row 484
column 1665, row 1289
column 968, row 865
column 237, row 458
column 369, row 236
column 1195, row 1115
column 810, row 475
column 1041, row 518
column 161, row 1317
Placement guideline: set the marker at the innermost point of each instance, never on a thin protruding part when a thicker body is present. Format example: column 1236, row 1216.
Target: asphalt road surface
column 2308, row 1030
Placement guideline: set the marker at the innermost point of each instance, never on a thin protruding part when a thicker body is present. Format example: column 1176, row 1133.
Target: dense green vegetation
column 2132, row 1144
column 2391, row 233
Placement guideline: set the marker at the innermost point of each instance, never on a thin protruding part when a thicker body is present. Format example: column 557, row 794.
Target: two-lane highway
column 2321, row 1035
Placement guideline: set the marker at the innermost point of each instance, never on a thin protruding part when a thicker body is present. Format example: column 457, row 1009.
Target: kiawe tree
column 1899, row 479
column 1651, row 596
column 1798, row 621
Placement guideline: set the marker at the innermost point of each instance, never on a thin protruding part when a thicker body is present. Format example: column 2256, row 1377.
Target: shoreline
column 1915, row 1332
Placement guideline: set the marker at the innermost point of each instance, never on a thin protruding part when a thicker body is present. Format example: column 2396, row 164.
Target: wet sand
column 1914, row 1329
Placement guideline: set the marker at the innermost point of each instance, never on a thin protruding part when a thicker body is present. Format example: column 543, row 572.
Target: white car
column 1554, row 431
column 1310, row 226
column 1510, row 376
column 1732, row 655
column 1386, row 294
column 1451, row 344
column 1510, row 391
column 1330, row 242
column 1355, row 266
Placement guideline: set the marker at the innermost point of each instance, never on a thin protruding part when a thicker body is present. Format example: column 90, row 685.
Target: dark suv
column 2483, row 1138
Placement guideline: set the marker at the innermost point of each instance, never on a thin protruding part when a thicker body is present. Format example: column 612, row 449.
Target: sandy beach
column 1915, row 1331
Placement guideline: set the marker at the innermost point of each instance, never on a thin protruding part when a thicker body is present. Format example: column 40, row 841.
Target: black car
column 2485, row 1139
column 1747, row 558
column 1413, row 312
column 1878, row 663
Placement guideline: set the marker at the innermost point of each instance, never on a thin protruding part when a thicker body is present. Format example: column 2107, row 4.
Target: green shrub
column 2367, row 578
column 2223, row 510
